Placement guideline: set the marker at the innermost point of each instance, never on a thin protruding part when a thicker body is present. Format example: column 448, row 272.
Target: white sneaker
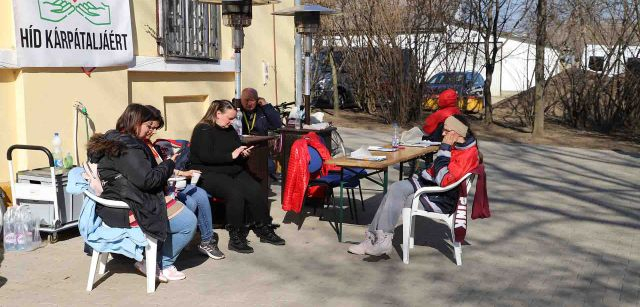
column 142, row 267
column 360, row 249
column 171, row 273
column 382, row 244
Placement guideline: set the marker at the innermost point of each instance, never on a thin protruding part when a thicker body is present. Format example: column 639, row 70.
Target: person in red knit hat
column 447, row 106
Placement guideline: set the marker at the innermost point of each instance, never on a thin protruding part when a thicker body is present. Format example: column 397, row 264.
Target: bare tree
column 493, row 19
column 598, row 47
column 541, row 34
column 389, row 48
column 599, row 89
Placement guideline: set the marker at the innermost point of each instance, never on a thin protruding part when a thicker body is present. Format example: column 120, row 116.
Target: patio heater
column 237, row 14
column 307, row 21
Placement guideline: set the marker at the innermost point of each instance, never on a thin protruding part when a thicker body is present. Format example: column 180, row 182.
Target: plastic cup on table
column 195, row 178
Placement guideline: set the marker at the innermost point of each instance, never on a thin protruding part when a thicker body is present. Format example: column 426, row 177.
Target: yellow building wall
column 143, row 18
column 7, row 40
column 49, row 96
column 182, row 98
column 259, row 47
column 8, row 120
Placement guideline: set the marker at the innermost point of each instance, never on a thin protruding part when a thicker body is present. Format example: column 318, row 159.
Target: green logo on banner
column 58, row 10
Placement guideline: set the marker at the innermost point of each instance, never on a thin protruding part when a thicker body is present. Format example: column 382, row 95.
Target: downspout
column 275, row 53
column 298, row 63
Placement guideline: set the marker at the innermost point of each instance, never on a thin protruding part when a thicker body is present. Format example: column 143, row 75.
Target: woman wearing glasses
column 131, row 174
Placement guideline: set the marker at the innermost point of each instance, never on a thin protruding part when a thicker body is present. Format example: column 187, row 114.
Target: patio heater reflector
column 306, row 19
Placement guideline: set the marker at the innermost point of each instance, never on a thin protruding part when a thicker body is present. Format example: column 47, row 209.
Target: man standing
column 258, row 116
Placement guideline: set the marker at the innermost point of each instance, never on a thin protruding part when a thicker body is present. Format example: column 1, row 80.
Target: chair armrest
column 107, row 202
column 435, row 189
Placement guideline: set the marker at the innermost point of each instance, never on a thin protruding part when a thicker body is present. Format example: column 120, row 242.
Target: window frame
column 213, row 23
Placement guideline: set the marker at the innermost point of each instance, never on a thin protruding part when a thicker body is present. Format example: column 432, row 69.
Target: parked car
column 322, row 96
column 322, row 89
column 469, row 86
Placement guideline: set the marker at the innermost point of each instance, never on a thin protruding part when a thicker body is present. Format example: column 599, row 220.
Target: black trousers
column 238, row 192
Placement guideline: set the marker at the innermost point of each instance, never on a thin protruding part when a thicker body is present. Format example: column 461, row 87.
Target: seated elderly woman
column 457, row 156
column 217, row 152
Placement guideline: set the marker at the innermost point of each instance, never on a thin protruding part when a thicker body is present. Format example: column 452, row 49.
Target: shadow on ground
column 565, row 224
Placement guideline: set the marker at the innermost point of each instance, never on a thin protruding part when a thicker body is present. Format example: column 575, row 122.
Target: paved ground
column 564, row 231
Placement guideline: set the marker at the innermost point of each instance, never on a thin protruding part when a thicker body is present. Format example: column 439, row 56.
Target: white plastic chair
column 101, row 258
column 409, row 214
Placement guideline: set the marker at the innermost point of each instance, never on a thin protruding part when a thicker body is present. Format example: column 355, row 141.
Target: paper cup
column 181, row 183
column 195, row 178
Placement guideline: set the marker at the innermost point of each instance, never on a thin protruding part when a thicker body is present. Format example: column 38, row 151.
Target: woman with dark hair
column 458, row 154
column 131, row 174
column 216, row 151
column 193, row 197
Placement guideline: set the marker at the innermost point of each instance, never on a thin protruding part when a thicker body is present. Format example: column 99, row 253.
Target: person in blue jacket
column 258, row 116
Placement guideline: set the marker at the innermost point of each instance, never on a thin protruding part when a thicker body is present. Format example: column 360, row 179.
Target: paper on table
column 380, row 148
column 317, row 126
column 413, row 135
column 421, row 144
column 363, row 154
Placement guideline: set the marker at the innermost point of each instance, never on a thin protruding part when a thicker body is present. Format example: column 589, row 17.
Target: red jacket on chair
column 480, row 204
column 298, row 172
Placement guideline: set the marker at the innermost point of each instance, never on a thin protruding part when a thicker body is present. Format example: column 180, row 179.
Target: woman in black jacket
column 131, row 174
column 217, row 152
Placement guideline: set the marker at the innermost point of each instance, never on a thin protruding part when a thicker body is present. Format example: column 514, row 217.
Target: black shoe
column 238, row 240
column 267, row 235
column 244, row 233
column 211, row 249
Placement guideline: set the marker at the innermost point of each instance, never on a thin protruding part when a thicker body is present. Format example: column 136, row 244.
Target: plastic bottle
column 68, row 161
column 57, row 150
column 9, row 233
column 237, row 123
column 21, row 226
column 301, row 117
column 395, row 139
column 36, row 240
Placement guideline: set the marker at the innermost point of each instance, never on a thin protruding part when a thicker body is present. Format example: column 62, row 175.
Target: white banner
column 73, row 33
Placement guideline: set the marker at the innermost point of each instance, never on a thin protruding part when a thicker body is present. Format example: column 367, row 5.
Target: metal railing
column 190, row 29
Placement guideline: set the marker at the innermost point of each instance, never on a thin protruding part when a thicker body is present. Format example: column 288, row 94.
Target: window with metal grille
column 189, row 29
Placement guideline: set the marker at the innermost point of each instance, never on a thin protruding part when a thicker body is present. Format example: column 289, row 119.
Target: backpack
column 167, row 147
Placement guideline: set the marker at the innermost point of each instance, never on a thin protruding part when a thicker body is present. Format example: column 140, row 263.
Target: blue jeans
column 181, row 230
column 197, row 200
